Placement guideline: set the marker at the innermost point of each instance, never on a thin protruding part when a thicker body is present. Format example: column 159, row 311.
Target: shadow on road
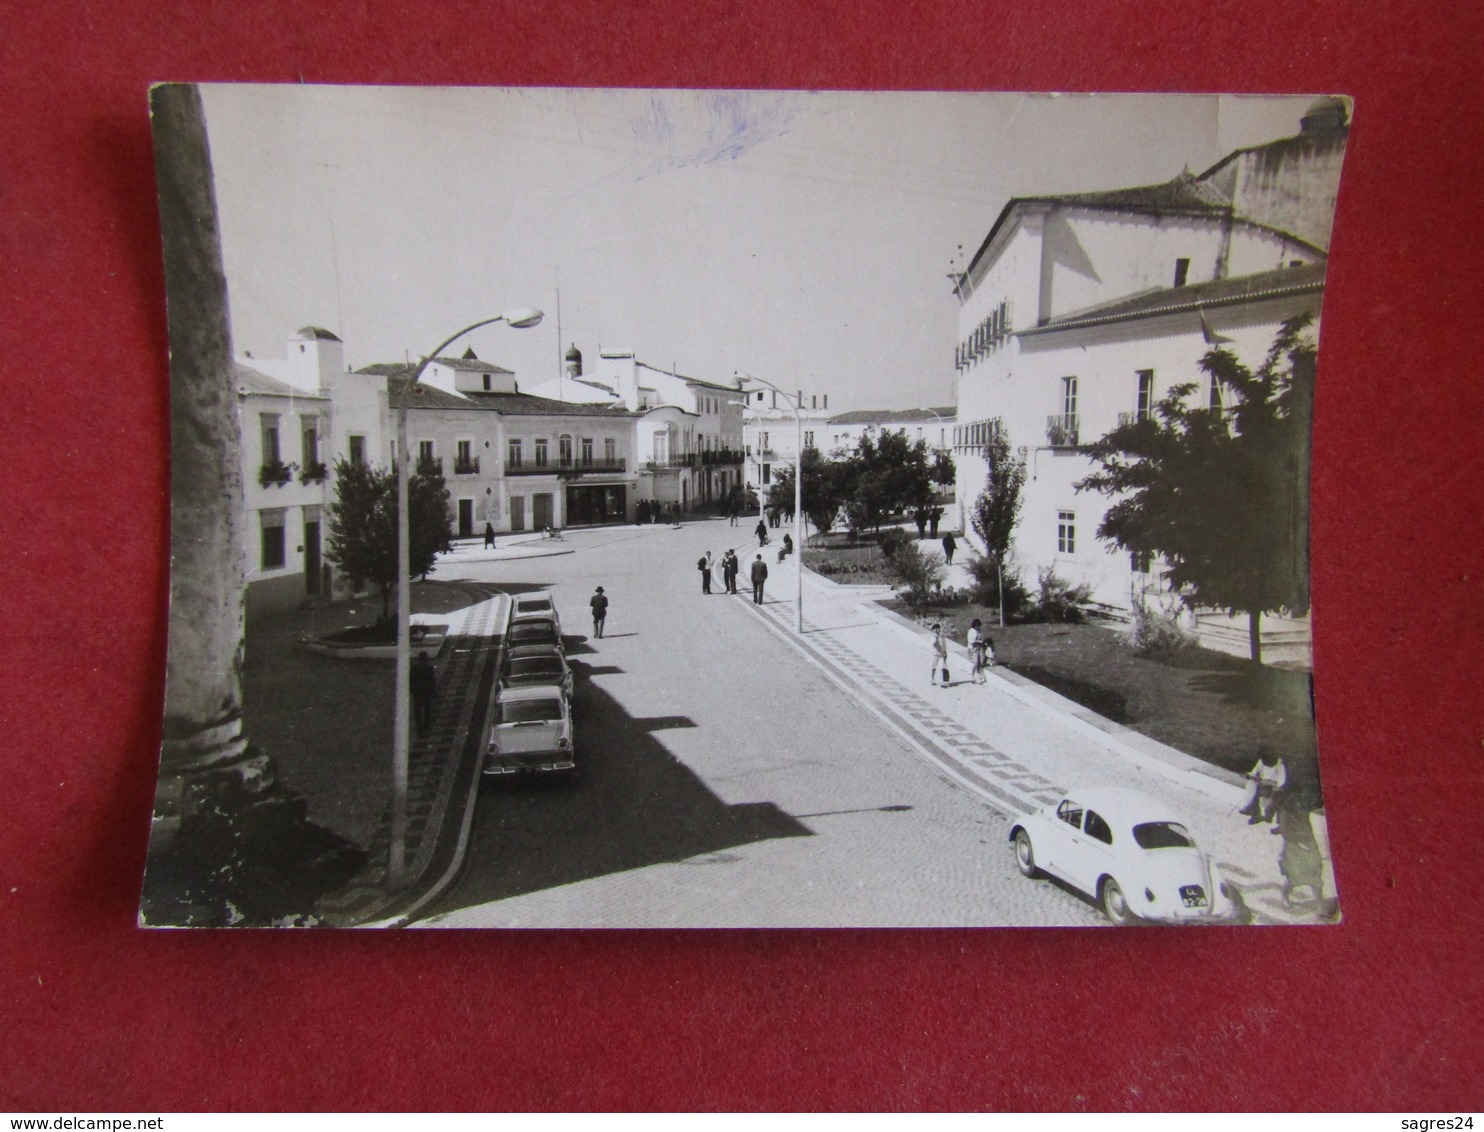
column 632, row 804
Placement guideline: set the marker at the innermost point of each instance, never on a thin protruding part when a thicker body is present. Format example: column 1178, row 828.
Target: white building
column 771, row 431
column 933, row 426
column 1080, row 310
column 687, row 433
column 287, row 415
column 510, row 459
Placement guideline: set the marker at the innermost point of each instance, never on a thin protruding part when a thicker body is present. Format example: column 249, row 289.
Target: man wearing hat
column 600, row 611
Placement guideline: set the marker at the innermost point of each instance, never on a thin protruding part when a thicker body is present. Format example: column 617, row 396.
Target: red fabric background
column 1382, row 1012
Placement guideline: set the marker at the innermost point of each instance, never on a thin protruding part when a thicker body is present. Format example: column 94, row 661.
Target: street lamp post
column 798, row 502
column 396, row 860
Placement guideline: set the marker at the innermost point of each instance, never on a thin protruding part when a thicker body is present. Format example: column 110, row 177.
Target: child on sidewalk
column 940, row 655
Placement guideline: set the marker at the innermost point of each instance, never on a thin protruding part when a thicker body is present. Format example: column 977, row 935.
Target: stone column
column 203, row 741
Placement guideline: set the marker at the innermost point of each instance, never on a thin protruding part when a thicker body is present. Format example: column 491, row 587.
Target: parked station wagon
column 529, row 606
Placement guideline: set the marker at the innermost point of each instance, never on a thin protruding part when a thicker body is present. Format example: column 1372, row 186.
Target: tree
column 1222, row 495
column 997, row 508
column 362, row 540
column 920, row 575
column 823, row 490
column 885, row 475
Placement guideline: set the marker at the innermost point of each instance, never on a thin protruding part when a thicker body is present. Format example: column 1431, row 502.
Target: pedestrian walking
column 977, row 647
column 920, row 517
column 940, row 656
column 759, row 576
column 489, row 536
column 424, row 682
column 761, row 530
column 703, row 564
column 933, row 517
column 950, row 544
column 599, row 602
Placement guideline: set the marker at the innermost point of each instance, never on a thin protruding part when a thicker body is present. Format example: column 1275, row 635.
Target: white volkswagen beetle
column 1128, row 851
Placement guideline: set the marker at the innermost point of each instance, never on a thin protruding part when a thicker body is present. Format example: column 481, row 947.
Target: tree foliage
column 362, row 540
column 920, row 575
column 886, row 474
column 997, row 508
column 1222, row 495
column 824, row 489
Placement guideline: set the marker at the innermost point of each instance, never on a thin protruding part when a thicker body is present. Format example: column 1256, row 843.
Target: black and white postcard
column 662, row 508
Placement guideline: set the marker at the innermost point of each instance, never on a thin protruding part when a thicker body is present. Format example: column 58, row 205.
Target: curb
column 513, row 555
column 378, row 908
column 1216, row 783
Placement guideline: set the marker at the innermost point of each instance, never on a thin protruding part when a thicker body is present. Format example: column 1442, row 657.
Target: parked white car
column 536, row 664
column 1128, row 851
column 535, row 605
column 530, row 732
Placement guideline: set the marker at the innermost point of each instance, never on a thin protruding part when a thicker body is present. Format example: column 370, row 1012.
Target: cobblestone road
column 890, row 800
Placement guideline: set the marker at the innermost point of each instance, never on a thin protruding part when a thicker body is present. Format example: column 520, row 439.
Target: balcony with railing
column 681, row 460
column 1061, row 431
column 466, row 465
column 605, row 466
column 1125, row 419
column 430, row 465
column 314, row 472
column 715, row 456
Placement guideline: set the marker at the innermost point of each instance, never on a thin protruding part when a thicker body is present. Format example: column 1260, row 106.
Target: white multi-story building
column 289, row 421
column 771, row 431
column 933, row 426
column 1079, row 311
column 512, row 460
column 687, row 431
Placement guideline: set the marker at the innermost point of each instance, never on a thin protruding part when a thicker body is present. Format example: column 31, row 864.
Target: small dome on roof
column 573, row 353
column 317, row 332
column 1326, row 115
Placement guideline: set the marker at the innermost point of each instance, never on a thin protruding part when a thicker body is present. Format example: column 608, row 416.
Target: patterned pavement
column 1015, row 745
column 438, row 763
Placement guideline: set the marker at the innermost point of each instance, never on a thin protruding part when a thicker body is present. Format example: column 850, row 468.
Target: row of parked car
column 529, row 729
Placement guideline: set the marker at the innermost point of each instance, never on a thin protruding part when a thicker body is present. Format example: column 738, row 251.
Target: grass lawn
column 1216, row 707
column 327, row 722
column 861, row 564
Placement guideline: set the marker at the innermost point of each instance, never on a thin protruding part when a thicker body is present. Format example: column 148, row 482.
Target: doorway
column 311, row 556
column 541, row 510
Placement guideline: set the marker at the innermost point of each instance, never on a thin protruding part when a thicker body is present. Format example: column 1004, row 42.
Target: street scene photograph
column 599, row 508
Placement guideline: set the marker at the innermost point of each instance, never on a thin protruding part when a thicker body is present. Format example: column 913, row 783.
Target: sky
column 804, row 237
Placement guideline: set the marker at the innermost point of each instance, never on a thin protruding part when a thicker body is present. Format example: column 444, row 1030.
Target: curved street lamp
column 520, row 318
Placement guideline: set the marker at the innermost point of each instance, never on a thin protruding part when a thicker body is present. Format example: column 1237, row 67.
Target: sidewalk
column 443, row 773
column 1013, row 743
column 527, row 544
